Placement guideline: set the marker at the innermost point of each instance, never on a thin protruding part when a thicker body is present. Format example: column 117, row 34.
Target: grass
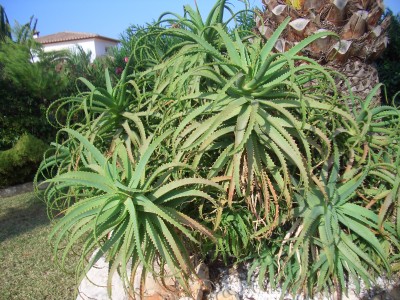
column 26, row 258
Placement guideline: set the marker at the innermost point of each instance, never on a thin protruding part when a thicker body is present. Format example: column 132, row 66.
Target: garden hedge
column 19, row 164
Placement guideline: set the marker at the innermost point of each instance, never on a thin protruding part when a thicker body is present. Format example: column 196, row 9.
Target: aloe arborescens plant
column 225, row 132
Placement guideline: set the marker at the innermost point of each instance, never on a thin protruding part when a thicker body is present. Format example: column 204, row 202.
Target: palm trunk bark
column 358, row 24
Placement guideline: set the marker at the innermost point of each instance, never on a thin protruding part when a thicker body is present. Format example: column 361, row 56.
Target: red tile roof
column 71, row 36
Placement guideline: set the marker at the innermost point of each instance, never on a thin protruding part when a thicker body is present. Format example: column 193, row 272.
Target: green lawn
column 27, row 270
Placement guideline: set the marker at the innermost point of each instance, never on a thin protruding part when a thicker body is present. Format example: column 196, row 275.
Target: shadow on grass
column 17, row 220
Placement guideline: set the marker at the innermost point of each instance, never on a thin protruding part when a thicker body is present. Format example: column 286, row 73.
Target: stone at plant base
column 94, row 285
column 227, row 295
column 159, row 297
column 154, row 289
column 200, row 283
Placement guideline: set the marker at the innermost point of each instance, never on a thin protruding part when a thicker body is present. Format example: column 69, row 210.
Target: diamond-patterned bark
column 358, row 23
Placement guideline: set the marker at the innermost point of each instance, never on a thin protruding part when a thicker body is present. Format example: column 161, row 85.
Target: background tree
column 29, row 82
column 23, row 33
column 32, row 69
column 31, row 79
column 389, row 63
column 5, row 30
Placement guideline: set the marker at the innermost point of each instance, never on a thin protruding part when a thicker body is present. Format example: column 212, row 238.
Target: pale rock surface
column 94, row 285
column 236, row 281
column 201, row 283
column 227, row 295
column 232, row 285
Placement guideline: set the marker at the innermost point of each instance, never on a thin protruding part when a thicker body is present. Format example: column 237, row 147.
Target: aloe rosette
column 128, row 213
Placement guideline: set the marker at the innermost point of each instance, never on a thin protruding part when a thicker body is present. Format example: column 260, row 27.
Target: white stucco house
column 98, row 45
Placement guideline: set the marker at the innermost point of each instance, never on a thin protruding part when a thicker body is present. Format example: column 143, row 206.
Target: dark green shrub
column 27, row 89
column 22, row 113
column 389, row 64
column 18, row 164
column 31, row 79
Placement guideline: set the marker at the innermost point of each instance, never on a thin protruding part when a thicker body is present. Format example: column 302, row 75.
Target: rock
column 16, row 190
column 94, row 285
column 203, row 274
column 154, row 297
column 227, row 295
column 159, row 297
column 154, row 289
column 157, row 289
column 231, row 285
column 200, row 283
column 351, row 296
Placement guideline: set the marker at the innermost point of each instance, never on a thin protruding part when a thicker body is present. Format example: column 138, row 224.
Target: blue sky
column 108, row 18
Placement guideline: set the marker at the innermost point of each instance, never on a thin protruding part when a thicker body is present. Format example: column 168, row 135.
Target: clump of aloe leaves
column 214, row 144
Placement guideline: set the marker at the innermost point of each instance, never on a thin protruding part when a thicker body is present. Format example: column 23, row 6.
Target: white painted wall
column 102, row 46
column 96, row 46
